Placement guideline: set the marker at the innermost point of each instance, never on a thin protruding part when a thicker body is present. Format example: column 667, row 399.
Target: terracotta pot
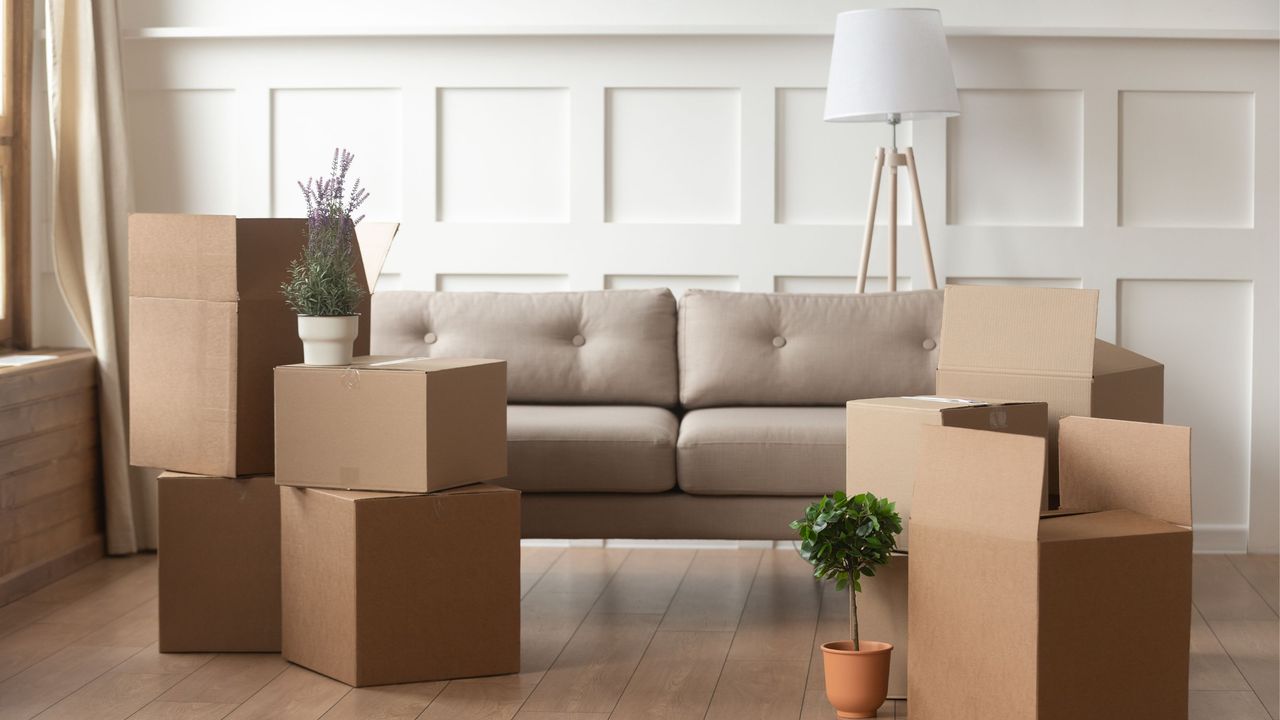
column 327, row 340
column 857, row 681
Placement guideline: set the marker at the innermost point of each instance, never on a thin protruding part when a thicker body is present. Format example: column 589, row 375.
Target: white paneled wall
column 1145, row 168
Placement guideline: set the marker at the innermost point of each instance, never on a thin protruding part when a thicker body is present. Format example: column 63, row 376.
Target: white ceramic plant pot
column 328, row 340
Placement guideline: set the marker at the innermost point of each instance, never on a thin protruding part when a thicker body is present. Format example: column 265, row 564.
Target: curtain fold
column 90, row 205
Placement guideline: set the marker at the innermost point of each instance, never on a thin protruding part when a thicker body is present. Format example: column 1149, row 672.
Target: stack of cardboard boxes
column 1000, row 598
column 394, row 566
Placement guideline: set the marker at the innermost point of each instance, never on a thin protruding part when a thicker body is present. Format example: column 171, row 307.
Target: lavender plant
column 323, row 280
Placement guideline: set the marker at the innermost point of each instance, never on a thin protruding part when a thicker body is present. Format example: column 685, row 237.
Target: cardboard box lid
column 933, row 403
column 1109, row 359
column 1118, row 464
column 985, row 483
column 1036, row 331
column 355, row 496
column 1106, row 524
column 392, row 363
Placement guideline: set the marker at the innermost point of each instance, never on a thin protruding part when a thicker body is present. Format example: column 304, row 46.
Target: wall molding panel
column 1144, row 168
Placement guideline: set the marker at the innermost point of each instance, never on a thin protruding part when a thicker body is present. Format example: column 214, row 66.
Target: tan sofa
column 631, row 417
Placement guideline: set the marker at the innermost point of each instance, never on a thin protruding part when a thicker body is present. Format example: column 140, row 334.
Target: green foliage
column 846, row 539
column 323, row 280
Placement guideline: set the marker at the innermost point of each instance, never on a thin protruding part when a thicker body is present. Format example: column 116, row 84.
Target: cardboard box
column 207, row 324
column 392, row 424
column 882, row 447
column 219, row 564
column 882, row 615
column 1039, row 344
column 1076, row 613
column 390, row 588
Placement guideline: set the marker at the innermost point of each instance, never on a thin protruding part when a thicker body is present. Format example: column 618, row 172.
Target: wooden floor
column 608, row 633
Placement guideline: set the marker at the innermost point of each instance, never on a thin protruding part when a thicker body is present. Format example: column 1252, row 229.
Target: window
column 15, row 152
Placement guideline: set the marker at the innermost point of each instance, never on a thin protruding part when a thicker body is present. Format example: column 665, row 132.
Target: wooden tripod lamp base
column 894, row 160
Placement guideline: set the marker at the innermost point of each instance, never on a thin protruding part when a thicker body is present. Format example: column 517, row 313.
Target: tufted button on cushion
column 579, row 341
column 429, row 338
column 929, row 344
column 779, row 341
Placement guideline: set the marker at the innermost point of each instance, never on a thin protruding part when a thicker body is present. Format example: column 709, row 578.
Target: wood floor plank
column 1254, row 647
column 390, row 702
column 645, row 582
column 759, row 690
column 714, row 591
column 1226, row 706
column 151, row 660
column 1222, row 593
column 91, row 578
column 781, row 612
column 38, row 687
column 160, row 710
column 676, row 678
column 490, row 698
column 547, row 622
column 1211, row 667
column 21, row 613
column 1263, row 573
column 137, row 628
column 528, row 715
column 111, row 696
column 295, row 694
column 231, row 678
column 33, row 643
column 110, row 601
column 584, row 570
column 833, row 624
column 816, row 707
column 534, row 562
column 594, row 667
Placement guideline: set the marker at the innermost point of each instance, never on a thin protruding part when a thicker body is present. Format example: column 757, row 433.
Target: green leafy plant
column 846, row 539
column 323, row 281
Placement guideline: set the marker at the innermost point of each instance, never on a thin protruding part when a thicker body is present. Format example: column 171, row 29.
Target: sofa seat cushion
column 590, row 448
column 762, row 451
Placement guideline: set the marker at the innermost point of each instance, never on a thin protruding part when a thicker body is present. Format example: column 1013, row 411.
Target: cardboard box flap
column 1123, row 465
column 1035, row 331
column 264, row 249
column 1098, row 525
column 374, row 240
column 987, row 483
column 182, row 256
column 363, row 495
column 1109, row 359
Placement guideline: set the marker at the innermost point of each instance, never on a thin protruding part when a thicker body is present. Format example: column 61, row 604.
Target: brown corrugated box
column 207, row 324
column 882, row 616
column 1022, row 615
column 392, row 424
column 388, row 588
column 882, row 448
column 219, row 564
column 1039, row 344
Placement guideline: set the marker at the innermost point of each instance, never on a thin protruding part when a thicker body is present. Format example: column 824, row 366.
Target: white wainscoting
column 1144, row 168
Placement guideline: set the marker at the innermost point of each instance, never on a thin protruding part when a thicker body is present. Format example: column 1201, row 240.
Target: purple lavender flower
column 323, row 281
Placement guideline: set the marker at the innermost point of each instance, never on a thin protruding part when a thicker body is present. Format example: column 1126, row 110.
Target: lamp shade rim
column 883, row 116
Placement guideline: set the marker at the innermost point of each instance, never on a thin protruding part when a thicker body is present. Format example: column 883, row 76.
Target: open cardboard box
column 1038, row 344
column 385, row 588
column 1020, row 614
column 392, row 424
column 207, row 325
column 882, row 448
column 219, row 563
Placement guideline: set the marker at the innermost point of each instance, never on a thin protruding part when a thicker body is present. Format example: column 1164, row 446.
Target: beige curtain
column 90, row 203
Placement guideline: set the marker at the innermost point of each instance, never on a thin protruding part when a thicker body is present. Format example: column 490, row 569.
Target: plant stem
column 853, row 618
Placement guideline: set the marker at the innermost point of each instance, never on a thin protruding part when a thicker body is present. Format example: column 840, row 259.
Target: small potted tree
column 322, row 285
column 846, row 539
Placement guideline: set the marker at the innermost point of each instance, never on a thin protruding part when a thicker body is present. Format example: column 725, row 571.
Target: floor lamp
column 890, row 65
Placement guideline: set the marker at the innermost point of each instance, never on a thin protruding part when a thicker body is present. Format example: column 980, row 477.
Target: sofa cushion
column 604, row 347
column 762, row 451
column 793, row 349
column 590, row 448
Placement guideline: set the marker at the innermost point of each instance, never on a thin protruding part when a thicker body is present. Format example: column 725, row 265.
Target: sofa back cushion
column 602, row 347
column 793, row 349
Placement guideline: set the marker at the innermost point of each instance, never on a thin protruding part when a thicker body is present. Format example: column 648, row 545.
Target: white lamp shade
column 890, row 62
